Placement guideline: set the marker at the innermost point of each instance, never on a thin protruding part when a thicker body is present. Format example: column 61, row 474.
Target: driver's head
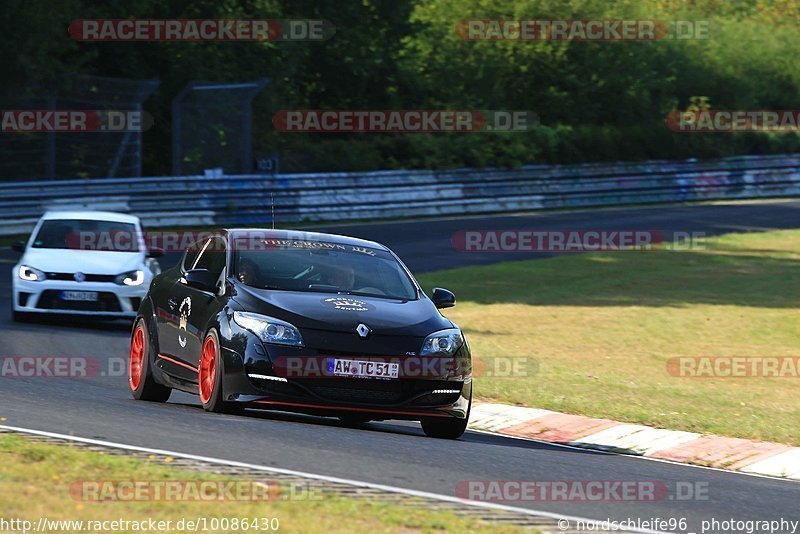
column 248, row 272
column 342, row 277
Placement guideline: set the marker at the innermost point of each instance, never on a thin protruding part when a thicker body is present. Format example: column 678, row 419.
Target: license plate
column 84, row 296
column 363, row 369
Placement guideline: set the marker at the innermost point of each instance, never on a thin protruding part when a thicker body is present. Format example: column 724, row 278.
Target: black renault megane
column 306, row 322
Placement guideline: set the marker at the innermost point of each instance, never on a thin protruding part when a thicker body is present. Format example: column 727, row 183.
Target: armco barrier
column 247, row 199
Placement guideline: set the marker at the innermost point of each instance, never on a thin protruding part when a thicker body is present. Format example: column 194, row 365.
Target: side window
column 190, row 256
column 213, row 257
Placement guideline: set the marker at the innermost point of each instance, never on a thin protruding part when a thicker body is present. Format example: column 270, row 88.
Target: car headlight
column 269, row 329
column 30, row 274
column 442, row 343
column 131, row 278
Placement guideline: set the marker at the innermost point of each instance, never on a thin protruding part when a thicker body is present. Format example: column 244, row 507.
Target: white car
column 83, row 263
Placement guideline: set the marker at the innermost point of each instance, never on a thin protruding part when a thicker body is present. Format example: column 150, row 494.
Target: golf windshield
column 80, row 234
column 323, row 267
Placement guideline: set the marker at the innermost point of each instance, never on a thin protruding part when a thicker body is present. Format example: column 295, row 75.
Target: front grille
column 369, row 391
column 358, row 395
column 89, row 277
column 51, row 300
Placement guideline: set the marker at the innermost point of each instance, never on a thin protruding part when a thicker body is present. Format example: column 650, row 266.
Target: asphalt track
column 391, row 453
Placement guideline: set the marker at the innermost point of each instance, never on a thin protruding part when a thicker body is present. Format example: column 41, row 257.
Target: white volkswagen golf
column 83, row 263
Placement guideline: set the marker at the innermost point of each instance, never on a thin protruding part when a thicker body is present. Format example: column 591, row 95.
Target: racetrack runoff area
column 702, row 339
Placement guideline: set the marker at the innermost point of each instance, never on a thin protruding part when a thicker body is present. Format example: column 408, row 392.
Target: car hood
column 342, row 313
column 82, row 261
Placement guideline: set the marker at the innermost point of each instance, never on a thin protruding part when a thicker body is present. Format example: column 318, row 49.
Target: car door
column 204, row 304
column 173, row 309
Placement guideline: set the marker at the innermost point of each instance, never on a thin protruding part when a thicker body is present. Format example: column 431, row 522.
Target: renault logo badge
column 363, row 330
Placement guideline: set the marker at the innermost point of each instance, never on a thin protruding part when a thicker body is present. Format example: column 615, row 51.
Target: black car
column 304, row 322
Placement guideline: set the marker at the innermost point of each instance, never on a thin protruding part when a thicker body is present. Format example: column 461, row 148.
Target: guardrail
column 248, row 199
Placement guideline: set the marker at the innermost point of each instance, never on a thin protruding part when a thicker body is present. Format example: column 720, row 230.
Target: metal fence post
column 204, row 112
column 247, row 126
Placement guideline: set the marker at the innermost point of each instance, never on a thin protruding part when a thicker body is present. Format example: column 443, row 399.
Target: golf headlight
column 30, row 274
column 442, row 343
column 132, row 278
column 269, row 329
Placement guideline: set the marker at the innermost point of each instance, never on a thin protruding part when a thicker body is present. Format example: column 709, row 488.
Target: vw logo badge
column 363, row 330
column 79, row 277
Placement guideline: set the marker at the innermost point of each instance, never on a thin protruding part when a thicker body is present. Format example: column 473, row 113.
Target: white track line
column 324, row 478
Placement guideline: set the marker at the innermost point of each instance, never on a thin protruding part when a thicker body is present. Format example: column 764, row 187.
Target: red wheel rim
column 137, row 358
column 208, row 370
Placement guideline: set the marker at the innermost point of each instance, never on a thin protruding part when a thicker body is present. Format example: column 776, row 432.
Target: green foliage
column 596, row 100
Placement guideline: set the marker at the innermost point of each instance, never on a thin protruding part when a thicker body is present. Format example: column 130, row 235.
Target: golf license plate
column 363, row 369
column 83, row 296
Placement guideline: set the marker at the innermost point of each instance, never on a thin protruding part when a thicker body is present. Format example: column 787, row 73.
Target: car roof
column 90, row 215
column 299, row 235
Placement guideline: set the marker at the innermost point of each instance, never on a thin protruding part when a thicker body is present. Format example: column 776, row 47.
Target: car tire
column 453, row 428
column 140, row 379
column 209, row 378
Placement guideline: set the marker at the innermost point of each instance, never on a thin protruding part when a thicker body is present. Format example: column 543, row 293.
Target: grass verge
column 592, row 333
column 39, row 480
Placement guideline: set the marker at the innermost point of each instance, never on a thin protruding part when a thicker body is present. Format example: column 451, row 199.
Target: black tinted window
column 82, row 234
column 323, row 267
column 212, row 257
column 190, row 256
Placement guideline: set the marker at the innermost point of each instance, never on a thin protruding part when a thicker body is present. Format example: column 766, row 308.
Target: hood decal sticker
column 347, row 304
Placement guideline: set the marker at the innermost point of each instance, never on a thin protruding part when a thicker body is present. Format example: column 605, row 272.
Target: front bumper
column 390, row 399
column 252, row 376
column 45, row 297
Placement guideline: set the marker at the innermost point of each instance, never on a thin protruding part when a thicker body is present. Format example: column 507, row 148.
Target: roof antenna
column 272, row 197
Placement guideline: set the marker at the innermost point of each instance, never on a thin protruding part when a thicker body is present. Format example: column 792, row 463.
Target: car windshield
column 324, row 267
column 81, row 234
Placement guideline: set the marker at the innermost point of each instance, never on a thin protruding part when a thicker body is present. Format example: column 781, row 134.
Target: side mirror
column 155, row 252
column 443, row 298
column 19, row 246
column 201, row 279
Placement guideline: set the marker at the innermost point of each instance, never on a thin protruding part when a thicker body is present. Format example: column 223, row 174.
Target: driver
column 248, row 272
column 342, row 277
